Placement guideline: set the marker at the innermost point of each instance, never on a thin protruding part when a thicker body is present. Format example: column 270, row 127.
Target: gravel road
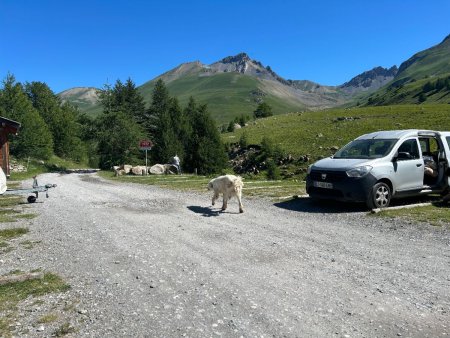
column 148, row 262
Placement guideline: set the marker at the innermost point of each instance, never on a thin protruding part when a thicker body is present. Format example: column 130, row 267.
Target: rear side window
column 434, row 146
column 429, row 145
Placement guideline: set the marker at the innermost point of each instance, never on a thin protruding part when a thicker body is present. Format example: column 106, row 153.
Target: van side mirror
column 402, row 155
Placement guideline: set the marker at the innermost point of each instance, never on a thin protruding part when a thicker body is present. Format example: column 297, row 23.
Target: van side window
column 410, row 147
column 434, row 146
column 429, row 146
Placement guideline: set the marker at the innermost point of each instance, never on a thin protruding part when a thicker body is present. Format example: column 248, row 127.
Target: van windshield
column 373, row 148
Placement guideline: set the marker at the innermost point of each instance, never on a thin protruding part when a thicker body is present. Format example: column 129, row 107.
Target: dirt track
column 143, row 261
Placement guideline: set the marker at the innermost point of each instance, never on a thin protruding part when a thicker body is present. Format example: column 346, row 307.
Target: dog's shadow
column 204, row 211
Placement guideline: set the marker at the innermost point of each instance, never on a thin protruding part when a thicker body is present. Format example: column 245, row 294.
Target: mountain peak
column 240, row 63
column 241, row 57
column 370, row 80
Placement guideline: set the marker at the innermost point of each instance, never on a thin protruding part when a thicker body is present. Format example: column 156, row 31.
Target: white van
column 376, row 167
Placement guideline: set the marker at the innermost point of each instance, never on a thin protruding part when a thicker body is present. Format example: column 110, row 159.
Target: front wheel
column 380, row 196
column 31, row 199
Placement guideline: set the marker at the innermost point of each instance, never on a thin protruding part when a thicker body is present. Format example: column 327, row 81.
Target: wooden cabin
column 6, row 127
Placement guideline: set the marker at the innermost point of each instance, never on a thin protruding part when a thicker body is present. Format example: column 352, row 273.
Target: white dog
column 229, row 186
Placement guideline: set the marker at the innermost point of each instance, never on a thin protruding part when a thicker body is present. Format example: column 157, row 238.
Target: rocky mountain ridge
column 370, row 80
column 237, row 83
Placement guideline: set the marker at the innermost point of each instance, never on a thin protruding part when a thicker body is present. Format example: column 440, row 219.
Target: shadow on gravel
column 325, row 206
column 334, row 207
column 205, row 212
column 27, row 203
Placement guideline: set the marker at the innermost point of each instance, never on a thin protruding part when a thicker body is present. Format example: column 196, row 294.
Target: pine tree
column 242, row 120
column 440, row 84
column 60, row 118
column 124, row 98
column 163, row 113
column 34, row 137
column 134, row 103
column 105, row 97
column 422, row 98
column 230, row 127
column 205, row 152
column 127, row 99
column 427, row 87
column 68, row 143
column 119, row 128
column 243, row 140
column 263, row 110
column 89, row 134
column 181, row 128
column 118, row 139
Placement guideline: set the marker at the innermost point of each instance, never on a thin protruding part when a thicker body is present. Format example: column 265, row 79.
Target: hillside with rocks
column 85, row 98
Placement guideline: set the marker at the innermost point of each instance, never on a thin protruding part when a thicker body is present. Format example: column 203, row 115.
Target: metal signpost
column 145, row 145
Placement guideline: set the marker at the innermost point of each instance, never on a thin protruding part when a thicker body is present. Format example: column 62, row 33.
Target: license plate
column 325, row 185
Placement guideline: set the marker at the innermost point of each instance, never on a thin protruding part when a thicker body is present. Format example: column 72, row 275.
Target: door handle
column 418, row 164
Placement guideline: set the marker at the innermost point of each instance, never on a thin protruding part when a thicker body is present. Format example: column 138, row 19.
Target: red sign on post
column 145, row 145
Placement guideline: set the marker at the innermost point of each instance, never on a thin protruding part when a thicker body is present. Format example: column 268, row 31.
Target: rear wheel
column 445, row 195
column 445, row 192
column 380, row 196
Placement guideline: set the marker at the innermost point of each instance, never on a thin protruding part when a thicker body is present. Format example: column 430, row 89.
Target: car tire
column 445, row 192
column 380, row 196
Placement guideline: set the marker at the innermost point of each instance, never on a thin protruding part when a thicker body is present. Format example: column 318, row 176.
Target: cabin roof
column 8, row 125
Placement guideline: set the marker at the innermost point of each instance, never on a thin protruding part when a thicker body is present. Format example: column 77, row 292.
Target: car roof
column 397, row 134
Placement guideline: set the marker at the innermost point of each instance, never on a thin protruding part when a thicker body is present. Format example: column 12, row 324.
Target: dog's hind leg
column 225, row 202
column 214, row 198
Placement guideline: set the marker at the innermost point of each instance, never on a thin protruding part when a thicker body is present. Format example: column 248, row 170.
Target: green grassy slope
column 433, row 61
column 228, row 95
column 426, row 66
column 410, row 93
column 314, row 133
column 92, row 111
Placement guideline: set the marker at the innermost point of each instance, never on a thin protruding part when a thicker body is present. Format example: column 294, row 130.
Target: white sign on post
column 145, row 145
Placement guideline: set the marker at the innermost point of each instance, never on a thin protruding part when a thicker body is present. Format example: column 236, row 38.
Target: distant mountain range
column 236, row 84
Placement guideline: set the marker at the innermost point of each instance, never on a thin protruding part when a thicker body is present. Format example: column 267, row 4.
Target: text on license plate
column 325, row 185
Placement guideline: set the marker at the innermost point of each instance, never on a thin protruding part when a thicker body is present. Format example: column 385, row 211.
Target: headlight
column 308, row 171
column 359, row 171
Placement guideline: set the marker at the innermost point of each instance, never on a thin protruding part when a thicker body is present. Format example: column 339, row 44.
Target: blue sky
column 89, row 43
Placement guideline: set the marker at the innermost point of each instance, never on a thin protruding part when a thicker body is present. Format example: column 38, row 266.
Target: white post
column 146, row 169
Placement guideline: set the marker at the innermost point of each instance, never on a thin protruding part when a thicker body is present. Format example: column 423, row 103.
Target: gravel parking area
column 144, row 261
